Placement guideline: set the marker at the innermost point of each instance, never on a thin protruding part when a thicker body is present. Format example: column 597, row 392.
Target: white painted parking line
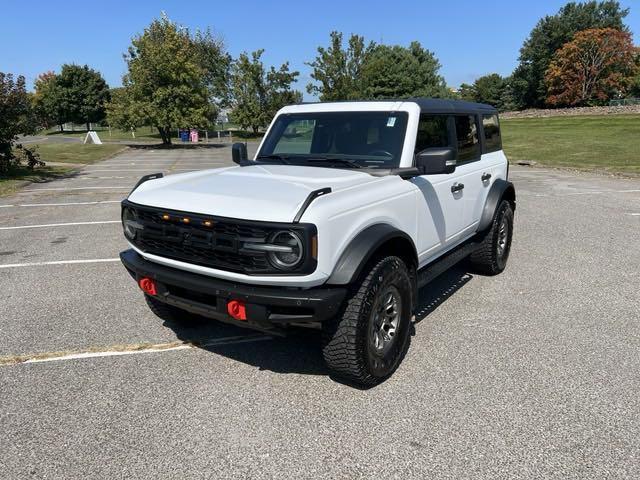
column 634, row 214
column 203, row 165
column 588, row 192
column 138, row 165
column 598, row 192
column 60, row 262
column 59, row 225
column 100, row 178
column 128, row 350
column 123, row 170
column 74, row 188
column 66, row 204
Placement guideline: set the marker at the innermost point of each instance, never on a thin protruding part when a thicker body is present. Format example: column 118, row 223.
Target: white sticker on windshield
column 391, row 121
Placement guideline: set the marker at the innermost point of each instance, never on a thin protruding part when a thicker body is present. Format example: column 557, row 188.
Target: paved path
column 530, row 374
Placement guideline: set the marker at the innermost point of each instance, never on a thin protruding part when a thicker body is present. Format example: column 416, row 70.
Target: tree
column 634, row 91
column 508, row 100
column 16, row 118
column 549, row 34
column 212, row 57
column 337, row 70
column 399, row 72
column 488, row 89
column 123, row 112
column 47, row 102
column 467, row 92
column 257, row 93
column 175, row 79
column 597, row 65
column 82, row 94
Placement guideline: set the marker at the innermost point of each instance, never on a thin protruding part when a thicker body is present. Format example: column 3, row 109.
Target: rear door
column 469, row 169
column 493, row 162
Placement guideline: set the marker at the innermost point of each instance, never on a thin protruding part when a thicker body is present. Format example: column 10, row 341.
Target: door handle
column 457, row 187
column 485, row 177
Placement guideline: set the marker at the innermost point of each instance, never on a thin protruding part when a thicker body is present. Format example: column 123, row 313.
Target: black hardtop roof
column 441, row 105
column 435, row 105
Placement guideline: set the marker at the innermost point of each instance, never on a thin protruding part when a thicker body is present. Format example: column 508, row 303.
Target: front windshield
column 337, row 139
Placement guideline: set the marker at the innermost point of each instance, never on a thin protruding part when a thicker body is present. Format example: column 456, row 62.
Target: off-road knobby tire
column 347, row 348
column 172, row 314
column 486, row 259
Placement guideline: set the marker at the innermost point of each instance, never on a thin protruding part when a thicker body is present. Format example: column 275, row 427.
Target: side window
column 467, row 136
column 296, row 138
column 432, row 132
column 492, row 139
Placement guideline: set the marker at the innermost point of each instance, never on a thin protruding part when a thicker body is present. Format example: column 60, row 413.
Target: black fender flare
column 362, row 247
column 499, row 190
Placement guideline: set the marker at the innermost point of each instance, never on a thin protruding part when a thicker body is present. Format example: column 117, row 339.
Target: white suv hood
column 265, row 192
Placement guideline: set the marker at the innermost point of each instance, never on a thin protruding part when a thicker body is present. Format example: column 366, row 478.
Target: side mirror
column 433, row 161
column 239, row 153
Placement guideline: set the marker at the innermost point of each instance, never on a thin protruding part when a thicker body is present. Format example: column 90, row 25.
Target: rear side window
column 492, row 139
column 432, row 132
column 467, row 137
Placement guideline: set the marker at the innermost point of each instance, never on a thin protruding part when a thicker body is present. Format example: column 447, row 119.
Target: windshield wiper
column 341, row 161
column 279, row 158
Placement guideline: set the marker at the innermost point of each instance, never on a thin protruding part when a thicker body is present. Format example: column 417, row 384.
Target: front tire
column 366, row 344
column 492, row 255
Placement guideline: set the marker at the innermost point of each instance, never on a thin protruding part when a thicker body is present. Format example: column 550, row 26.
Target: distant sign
column 92, row 137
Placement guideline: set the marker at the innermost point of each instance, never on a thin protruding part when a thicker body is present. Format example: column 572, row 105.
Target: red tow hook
column 237, row 310
column 148, row 286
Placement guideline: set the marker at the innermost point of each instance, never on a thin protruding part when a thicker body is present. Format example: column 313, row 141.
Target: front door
column 441, row 200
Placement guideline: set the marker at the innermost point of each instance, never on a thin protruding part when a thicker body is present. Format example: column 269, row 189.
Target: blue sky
column 469, row 37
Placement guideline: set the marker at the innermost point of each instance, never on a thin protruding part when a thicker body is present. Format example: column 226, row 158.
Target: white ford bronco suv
column 347, row 209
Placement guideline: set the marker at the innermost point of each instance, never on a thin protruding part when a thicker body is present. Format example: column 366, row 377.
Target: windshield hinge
column 310, row 198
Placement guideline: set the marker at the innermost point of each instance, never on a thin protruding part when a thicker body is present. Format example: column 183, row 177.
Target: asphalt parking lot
column 530, row 374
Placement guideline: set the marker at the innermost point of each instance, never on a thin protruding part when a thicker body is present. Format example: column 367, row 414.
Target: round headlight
column 291, row 252
column 129, row 223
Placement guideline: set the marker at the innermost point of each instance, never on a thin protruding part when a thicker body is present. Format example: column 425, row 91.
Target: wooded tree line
column 583, row 55
column 176, row 78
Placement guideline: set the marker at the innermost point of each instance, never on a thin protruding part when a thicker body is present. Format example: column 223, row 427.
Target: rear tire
column 171, row 314
column 493, row 253
column 368, row 341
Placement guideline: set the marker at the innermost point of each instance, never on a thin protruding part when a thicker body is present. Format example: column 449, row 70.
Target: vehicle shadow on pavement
column 300, row 351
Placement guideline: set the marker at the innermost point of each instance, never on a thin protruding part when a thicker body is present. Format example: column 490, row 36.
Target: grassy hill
column 606, row 143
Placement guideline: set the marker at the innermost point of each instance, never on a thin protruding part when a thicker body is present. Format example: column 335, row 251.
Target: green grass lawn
column 70, row 153
column 605, row 143
column 76, row 152
column 146, row 134
column 18, row 177
column 142, row 134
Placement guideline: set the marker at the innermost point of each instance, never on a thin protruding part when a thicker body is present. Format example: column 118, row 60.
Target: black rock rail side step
column 431, row 271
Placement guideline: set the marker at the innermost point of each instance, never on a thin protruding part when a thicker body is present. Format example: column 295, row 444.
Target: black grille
column 216, row 245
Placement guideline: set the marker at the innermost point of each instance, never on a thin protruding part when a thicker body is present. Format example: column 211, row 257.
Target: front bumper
column 267, row 307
